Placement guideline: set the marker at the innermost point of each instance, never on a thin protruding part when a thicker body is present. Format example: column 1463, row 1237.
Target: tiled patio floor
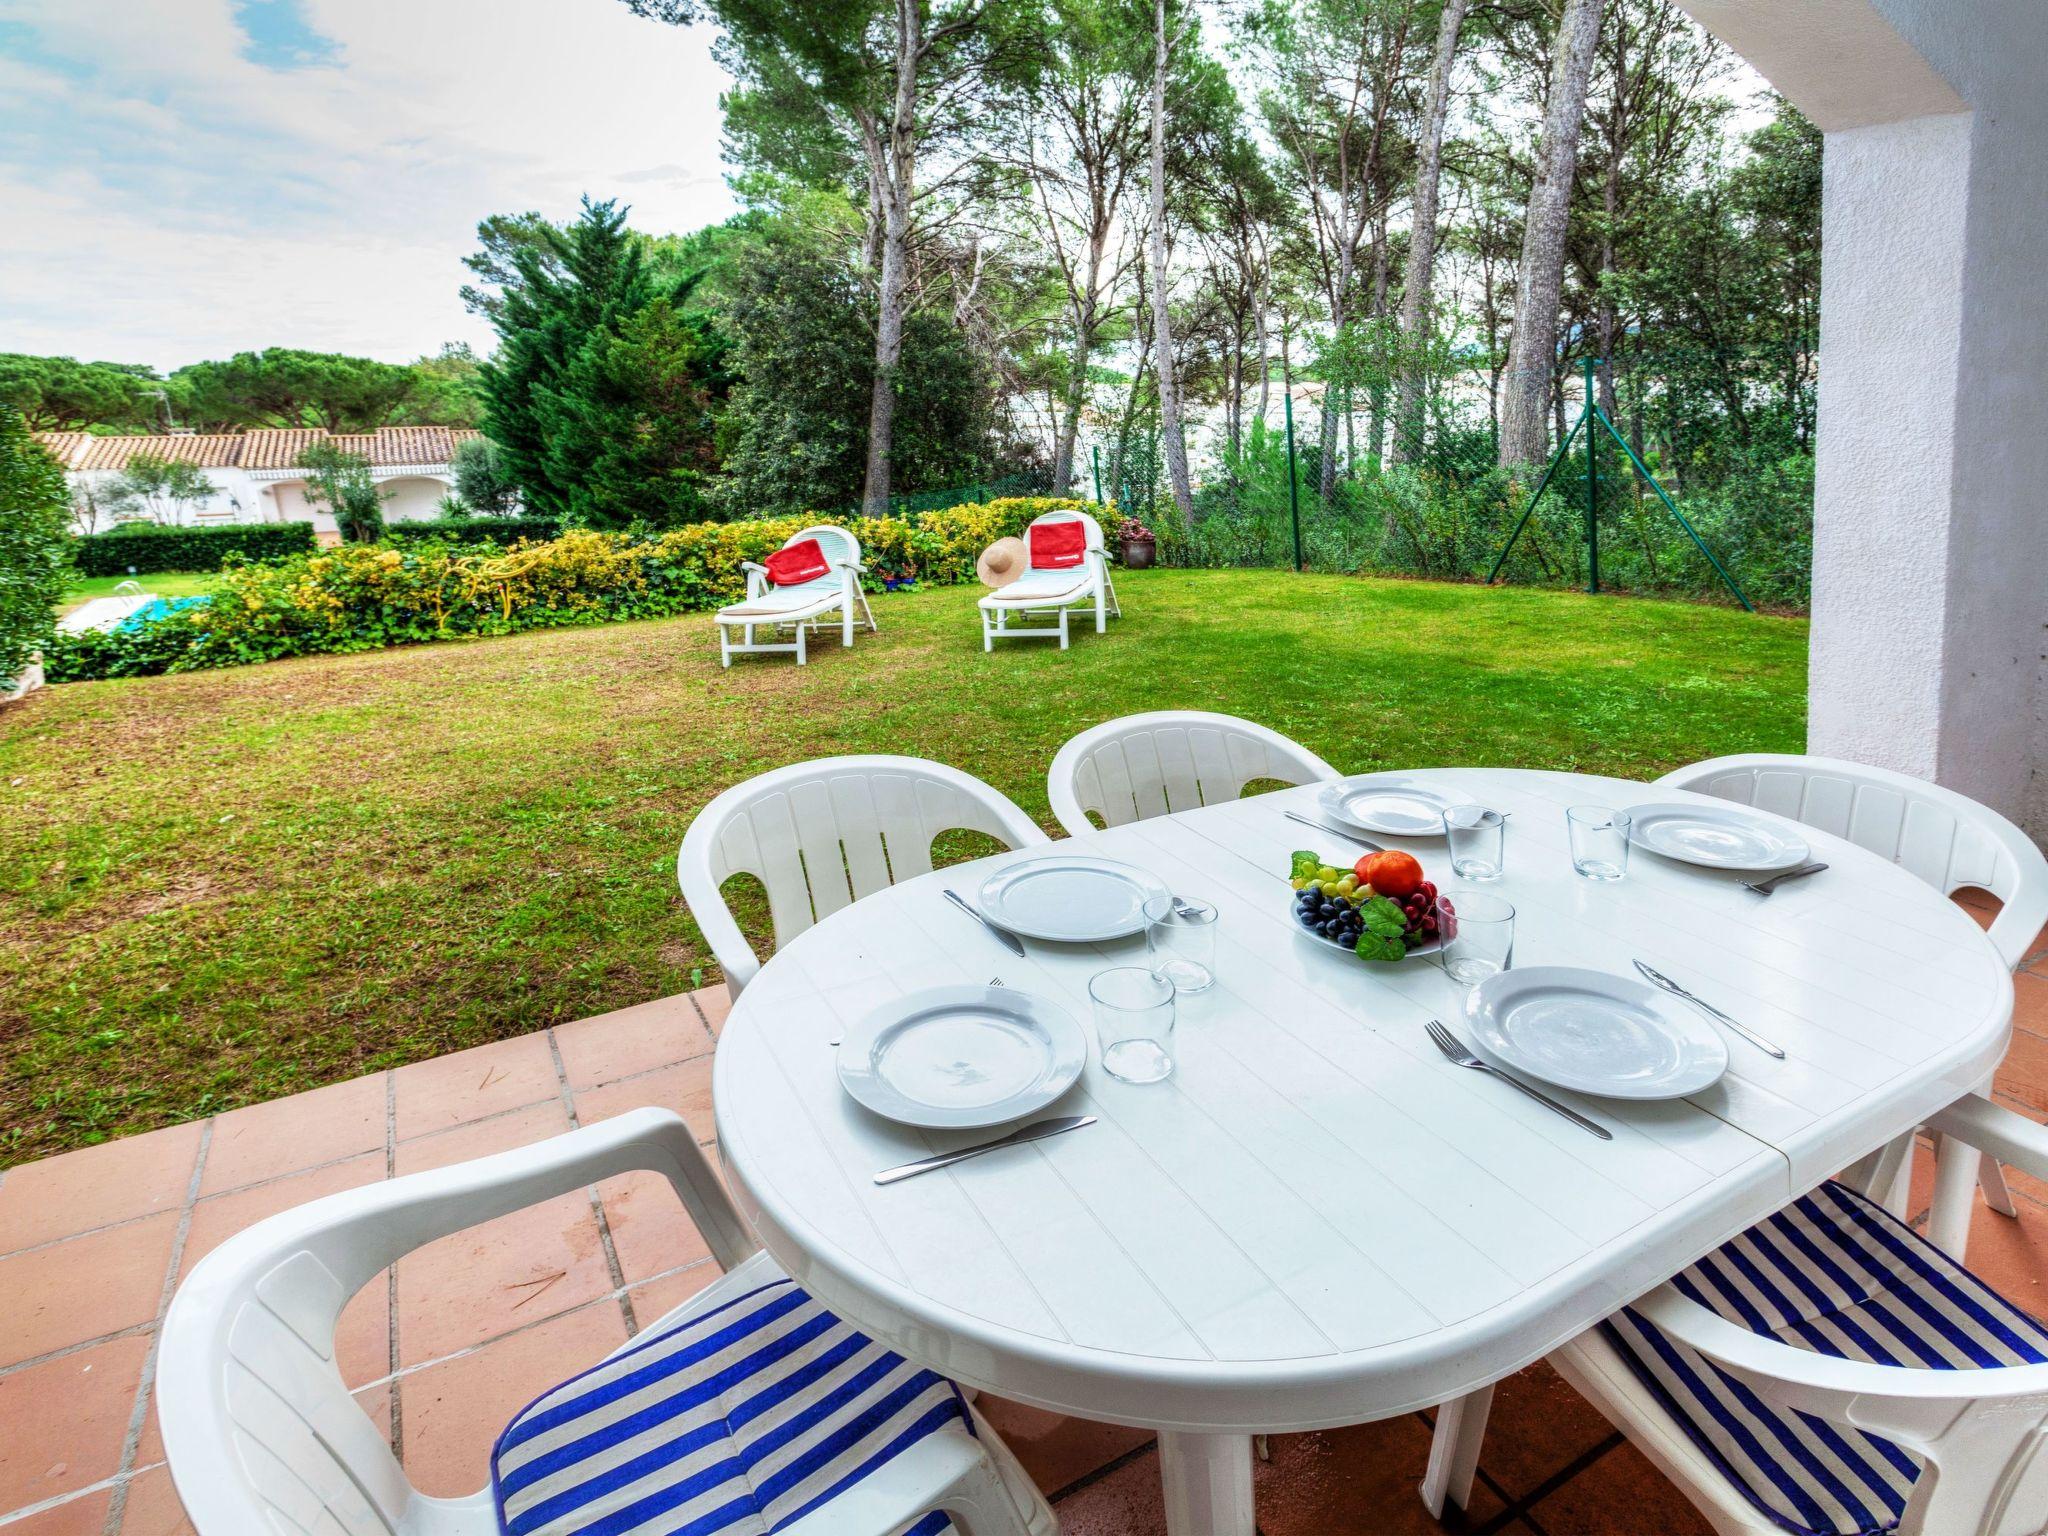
column 442, row 1350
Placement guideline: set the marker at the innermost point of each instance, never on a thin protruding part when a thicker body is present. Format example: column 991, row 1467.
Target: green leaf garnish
column 1305, row 865
column 1374, row 946
column 1384, row 919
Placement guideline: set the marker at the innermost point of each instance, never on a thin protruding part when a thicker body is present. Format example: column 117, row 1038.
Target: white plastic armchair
column 1978, row 1434
column 797, row 608
column 821, row 835
column 1056, row 592
column 262, row 1435
column 1945, row 838
column 1170, row 760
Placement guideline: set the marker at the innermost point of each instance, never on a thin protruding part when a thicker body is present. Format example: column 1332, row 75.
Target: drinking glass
column 1180, row 941
column 1479, row 936
column 1599, row 841
column 1478, row 839
column 1134, row 1021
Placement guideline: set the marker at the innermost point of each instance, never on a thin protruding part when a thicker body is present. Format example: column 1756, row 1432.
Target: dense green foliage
column 472, row 530
column 35, row 548
column 482, row 483
column 140, row 547
column 341, row 482
column 383, row 858
column 363, row 597
column 61, row 394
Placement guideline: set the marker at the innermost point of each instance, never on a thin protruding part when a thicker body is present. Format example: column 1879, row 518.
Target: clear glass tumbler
column 1134, row 1022
column 1599, row 841
column 1478, row 842
column 1180, row 941
column 1479, row 935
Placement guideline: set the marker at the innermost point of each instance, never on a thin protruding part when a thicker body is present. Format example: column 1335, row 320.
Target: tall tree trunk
column 1415, row 290
column 1376, row 420
column 1532, row 354
column 1086, row 321
column 898, row 154
column 1172, row 444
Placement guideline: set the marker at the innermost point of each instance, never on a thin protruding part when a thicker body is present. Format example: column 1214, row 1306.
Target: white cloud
column 168, row 199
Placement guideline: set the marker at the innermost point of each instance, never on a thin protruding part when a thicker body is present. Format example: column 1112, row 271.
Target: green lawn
column 162, row 583
column 227, row 886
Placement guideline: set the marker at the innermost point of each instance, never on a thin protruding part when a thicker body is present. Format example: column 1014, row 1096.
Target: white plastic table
column 1317, row 1220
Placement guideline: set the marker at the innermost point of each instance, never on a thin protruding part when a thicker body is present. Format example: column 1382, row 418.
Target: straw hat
column 1002, row 562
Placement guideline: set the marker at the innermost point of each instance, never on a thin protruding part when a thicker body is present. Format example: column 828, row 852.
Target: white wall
column 1931, row 542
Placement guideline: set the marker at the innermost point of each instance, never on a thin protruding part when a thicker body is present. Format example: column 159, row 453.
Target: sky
column 185, row 179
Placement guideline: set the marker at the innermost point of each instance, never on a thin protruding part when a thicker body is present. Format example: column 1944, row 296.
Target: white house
column 255, row 474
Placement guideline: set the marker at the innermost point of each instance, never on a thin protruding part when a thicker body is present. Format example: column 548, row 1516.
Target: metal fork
column 1765, row 887
column 1455, row 1052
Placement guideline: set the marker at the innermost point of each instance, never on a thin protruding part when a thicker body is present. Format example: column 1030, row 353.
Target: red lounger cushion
column 1058, row 546
column 798, row 563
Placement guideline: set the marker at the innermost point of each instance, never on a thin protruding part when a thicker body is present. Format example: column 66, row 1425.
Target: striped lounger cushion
column 737, row 1422
column 1836, row 1274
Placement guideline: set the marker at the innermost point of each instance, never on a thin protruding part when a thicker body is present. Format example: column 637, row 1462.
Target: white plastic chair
column 799, row 608
column 1962, row 1433
column 1057, row 592
column 1170, row 760
column 821, row 835
column 1948, row 840
column 262, row 1435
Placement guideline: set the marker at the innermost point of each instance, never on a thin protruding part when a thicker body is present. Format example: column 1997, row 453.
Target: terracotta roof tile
column 270, row 448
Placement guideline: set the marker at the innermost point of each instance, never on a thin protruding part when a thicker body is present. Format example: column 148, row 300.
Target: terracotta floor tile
column 684, row 1088
column 1621, row 1494
column 615, row 1045
column 505, row 1274
column 715, row 1003
column 651, row 1232
column 1538, row 1425
column 66, row 1421
column 1125, row 1503
column 303, row 1131
column 1056, row 1450
column 454, row 1411
column 2011, row 1254
column 655, row 1299
column 482, row 1138
column 362, row 1341
column 2030, row 1004
column 82, row 1516
column 153, row 1507
column 453, row 1090
column 63, row 1196
column 1359, row 1481
column 82, row 1288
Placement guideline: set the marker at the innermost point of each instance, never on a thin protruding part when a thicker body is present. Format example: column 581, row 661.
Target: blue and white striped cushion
column 738, row 1422
column 1836, row 1274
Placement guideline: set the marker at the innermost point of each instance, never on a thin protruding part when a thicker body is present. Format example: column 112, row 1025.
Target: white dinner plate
column 962, row 1056
column 1396, row 807
column 1717, row 837
column 1069, row 898
column 1608, row 1035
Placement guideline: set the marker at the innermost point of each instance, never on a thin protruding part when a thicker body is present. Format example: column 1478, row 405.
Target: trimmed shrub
column 473, row 530
column 362, row 597
column 151, row 548
column 35, row 506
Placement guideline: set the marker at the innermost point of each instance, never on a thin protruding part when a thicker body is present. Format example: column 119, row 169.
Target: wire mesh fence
column 1696, row 457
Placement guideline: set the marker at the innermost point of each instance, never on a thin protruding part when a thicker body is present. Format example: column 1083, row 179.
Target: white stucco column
column 1930, row 642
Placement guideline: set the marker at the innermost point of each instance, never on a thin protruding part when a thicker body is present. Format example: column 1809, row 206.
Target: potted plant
column 1139, row 545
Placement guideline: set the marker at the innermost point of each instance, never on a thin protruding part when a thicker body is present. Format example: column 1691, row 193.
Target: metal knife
column 1014, row 944
column 1658, row 978
column 1765, row 887
column 1349, row 837
column 1037, row 1131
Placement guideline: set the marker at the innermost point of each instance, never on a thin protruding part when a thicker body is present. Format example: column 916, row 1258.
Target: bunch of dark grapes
column 1331, row 916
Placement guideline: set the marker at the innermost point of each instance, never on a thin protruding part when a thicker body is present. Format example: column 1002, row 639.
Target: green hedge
column 361, row 597
column 474, row 530
column 189, row 549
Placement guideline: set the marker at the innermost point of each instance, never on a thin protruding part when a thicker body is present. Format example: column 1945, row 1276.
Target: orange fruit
column 1393, row 873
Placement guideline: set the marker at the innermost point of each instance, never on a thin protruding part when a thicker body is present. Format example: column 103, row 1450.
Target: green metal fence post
column 1293, row 484
column 1592, row 487
column 1095, row 457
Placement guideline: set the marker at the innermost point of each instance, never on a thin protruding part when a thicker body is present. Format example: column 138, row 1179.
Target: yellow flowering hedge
column 362, row 597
